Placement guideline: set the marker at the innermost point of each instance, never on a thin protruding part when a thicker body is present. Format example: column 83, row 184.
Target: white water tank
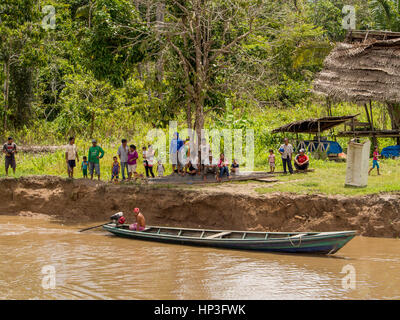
column 357, row 163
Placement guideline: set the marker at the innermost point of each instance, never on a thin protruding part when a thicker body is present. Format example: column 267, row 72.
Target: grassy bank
column 329, row 178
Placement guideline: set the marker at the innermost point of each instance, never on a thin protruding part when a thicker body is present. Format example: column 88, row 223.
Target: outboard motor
column 118, row 218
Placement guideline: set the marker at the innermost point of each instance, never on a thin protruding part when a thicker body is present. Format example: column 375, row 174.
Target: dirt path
column 226, row 206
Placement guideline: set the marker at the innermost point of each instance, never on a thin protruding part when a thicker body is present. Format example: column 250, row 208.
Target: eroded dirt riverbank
column 218, row 208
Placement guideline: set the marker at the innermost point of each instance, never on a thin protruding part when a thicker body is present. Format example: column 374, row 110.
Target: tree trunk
column 189, row 115
column 6, row 93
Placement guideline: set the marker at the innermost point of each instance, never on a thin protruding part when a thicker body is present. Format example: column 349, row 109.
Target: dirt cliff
column 85, row 201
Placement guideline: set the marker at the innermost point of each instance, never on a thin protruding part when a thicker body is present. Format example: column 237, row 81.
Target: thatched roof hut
column 366, row 67
column 313, row 125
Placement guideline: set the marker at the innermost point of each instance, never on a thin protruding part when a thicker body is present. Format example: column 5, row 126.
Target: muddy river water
column 36, row 254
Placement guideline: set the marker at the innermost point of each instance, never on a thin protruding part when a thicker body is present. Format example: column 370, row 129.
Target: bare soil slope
column 218, row 208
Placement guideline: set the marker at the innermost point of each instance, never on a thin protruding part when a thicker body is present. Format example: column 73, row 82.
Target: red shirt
column 302, row 158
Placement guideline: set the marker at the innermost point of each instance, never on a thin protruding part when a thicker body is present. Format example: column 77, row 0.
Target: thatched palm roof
column 362, row 71
column 311, row 125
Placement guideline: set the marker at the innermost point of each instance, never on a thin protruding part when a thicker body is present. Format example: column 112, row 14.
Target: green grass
column 329, row 178
column 55, row 164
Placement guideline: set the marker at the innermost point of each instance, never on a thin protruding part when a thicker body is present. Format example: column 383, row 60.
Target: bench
column 221, row 234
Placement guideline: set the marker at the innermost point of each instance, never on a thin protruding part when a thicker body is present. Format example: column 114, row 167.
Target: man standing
column 71, row 156
column 286, row 151
column 10, row 149
column 95, row 154
column 123, row 157
column 175, row 147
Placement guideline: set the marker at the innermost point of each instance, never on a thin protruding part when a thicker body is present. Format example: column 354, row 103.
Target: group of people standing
column 129, row 157
column 301, row 160
column 91, row 162
column 125, row 162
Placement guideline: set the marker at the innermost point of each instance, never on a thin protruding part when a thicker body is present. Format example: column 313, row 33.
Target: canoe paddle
column 100, row 225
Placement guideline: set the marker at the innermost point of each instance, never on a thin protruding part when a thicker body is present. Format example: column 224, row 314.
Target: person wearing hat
column 10, row 149
column 95, row 154
column 286, row 151
column 301, row 161
column 140, row 224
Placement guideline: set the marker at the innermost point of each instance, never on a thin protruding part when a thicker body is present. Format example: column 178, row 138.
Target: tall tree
column 20, row 35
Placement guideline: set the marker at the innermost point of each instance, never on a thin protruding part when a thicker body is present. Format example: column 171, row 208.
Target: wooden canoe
column 293, row 242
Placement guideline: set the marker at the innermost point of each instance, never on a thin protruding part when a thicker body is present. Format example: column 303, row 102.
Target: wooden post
column 319, row 136
column 374, row 138
column 368, row 118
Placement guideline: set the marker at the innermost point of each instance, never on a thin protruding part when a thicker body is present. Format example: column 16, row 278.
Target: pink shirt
column 375, row 154
column 132, row 156
column 271, row 158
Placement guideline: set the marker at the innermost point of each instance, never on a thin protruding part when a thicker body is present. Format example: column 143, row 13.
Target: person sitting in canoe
column 140, row 224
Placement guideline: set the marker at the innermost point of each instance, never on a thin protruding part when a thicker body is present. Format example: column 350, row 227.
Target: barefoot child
column 375, row 162
column 84, row 167
column 115, row 170
column 160, row 168
column 235, row 167
column 271, row 161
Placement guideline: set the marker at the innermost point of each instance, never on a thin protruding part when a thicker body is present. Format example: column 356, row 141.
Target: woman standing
column 150, row 159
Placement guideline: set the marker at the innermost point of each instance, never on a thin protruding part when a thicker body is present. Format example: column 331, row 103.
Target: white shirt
column 71, row 151
column 123, row 153
column 288, row 150
column 150, row 156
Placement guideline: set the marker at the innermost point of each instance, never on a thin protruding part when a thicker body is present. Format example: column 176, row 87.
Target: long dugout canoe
column 292, row 242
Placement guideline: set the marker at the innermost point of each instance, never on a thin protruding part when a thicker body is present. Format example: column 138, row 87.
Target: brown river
column 44, row 260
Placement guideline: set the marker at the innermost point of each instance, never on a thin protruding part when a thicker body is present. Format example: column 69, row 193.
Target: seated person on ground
column 223, row 166
column 235, row 167
column 301, row 161
column 190, row 169
column 209, row 168
column 140, row 224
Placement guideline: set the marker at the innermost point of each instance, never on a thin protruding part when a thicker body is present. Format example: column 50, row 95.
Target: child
column 132, row 165
column 115, row 170
column 145, row 163
column 150, row 158
column 235, row 167
column 160, row 168
column 375, row 162
column 84, row 167
column 190, row 169
column 271, row 161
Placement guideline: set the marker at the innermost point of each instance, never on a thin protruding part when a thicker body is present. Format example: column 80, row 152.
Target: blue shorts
column 375, row 163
